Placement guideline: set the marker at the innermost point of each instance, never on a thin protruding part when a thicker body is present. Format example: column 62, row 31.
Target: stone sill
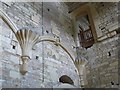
column 108, row 35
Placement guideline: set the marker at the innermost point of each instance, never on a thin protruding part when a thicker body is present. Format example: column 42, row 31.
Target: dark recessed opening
column 103, row 28
column 47, row 31
column 66, row 79
column 112, row 83
column 118, row 31
column 117, row 84
column 37, row 57
column 13, row 47
column 73, row 47
column 48, row 9
column 69, row 11
column 109, row 54
column 88, row 47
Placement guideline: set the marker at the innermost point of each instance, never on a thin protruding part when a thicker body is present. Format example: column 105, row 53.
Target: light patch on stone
column 53, row 74
column 36, row 18
column 55, row 61
column 14, row 74
column 49, row 52
column 65, row 85
column 54, row 29
column 114, row 64
column 6, row 40
column 63, row 58
column 14, row 59
column 102, row 38
column 99, row 33
column 18, row 50
column 55, row 54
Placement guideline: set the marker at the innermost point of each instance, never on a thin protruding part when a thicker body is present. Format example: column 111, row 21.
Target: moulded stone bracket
column 80, row 61
column 24, row 65
column 27, row 40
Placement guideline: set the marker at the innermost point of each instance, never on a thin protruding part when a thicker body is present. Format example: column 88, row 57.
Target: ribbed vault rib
column 8, row 21
column 61, row 44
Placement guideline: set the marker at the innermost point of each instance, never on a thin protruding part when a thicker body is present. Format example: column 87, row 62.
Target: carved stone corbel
column 80, row 63
column 27, row 40
column 24, row 65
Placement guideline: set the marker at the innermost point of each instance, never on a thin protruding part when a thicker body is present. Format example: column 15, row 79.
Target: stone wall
column 102, row 66
column 48, row 61
column 105, row 16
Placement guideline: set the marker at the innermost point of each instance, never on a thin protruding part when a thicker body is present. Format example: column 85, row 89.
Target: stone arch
column 14, row 29
column 71, row 55
column 8, row 21
column 65, row 48
column 61, row 44
column 66, row 79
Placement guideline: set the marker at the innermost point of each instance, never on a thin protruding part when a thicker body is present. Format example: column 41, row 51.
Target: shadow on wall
column 66, row 79
column 66, row 83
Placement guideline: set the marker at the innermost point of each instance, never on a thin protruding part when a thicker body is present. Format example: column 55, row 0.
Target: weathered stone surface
column 43, row 69
column 14, row 74
column 49, row 62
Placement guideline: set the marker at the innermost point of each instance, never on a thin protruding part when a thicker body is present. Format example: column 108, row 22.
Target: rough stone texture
column 105, row 17
column 102, row 66
column 48, row 61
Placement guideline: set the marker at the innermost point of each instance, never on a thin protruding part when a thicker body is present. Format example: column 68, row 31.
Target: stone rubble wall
column 102, row 66
column 48, row 61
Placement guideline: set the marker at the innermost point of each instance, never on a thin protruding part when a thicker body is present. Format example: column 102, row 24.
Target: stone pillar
column 27, row 39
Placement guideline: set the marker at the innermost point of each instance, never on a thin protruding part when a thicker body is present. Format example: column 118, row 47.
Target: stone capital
column 27, row 39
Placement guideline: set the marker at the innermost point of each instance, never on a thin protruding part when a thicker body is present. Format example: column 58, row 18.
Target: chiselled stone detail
column 80, row 63
column 27, row 40
column 46, row 62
